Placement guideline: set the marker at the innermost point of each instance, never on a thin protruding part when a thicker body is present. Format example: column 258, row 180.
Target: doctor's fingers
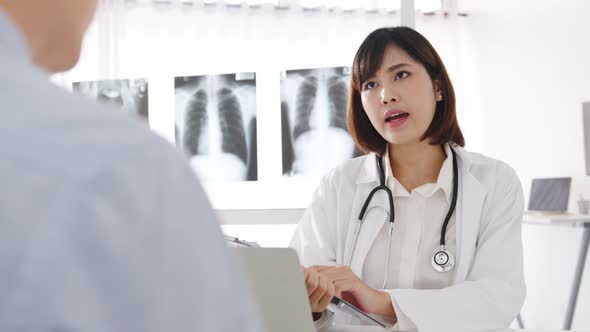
column 312, row 279
column 321, row 297
column 327, row 298
column 339, row 273
column 320, row 268
column 321, row 289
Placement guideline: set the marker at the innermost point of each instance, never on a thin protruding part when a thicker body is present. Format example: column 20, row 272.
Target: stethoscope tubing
column 448, row 265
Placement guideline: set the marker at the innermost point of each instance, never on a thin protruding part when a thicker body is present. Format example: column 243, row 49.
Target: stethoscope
column 442, row 260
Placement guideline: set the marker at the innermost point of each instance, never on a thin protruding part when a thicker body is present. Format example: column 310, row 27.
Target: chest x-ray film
column 551, row 195
column 315, row 137
column 130, row 96
column 216, row 125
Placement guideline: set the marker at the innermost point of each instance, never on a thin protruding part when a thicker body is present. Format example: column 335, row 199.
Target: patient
column 103, row 226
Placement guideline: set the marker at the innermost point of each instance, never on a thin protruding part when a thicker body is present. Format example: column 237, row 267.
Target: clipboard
column 348, row 308
column 235, row 242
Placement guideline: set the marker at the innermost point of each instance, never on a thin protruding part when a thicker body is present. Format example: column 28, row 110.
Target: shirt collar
column 12, row 41
column 444, row 181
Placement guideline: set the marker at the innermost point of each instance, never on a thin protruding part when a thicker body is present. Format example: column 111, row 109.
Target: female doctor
column 418, row 231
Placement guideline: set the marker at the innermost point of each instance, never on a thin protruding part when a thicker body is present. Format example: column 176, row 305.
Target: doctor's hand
column 320, row 289
column 355, row 291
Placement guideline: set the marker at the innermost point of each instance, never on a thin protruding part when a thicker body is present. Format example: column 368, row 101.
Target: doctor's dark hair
column 444, row 127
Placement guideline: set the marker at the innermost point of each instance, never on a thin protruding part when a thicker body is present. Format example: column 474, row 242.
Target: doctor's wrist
column 385, row 306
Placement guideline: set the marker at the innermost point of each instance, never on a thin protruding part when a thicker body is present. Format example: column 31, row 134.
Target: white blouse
column 419, row 216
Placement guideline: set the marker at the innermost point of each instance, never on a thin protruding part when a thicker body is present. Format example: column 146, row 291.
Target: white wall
column 520, row 69
column 532, row 59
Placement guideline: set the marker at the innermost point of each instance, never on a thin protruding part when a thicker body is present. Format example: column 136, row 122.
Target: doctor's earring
column 439, row 97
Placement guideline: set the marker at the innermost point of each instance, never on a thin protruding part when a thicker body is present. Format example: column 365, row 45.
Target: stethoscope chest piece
column 443, row 261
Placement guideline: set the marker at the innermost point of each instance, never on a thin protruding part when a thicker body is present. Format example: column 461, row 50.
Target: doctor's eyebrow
column 396, row 67
column 390, row 69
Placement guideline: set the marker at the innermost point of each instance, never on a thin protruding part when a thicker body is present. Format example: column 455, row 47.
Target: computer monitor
column 277, row 280
column 550, row 195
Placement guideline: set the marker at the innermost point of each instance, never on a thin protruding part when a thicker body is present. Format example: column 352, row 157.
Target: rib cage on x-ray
column 338, row 94
column 314, row 101
column 230, row 122
column 212, row 113
column 196, row 119
column 306, row 97
column 232, row 125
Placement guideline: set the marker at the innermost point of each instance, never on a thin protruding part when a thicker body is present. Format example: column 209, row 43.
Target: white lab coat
column 488, row 288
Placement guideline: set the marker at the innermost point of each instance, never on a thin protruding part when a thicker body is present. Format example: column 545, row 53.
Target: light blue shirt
column 103, row 226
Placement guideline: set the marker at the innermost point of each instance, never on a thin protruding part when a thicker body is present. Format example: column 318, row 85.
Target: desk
column 569, row 221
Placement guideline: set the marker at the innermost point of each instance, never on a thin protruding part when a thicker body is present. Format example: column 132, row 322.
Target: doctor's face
column 400, row 98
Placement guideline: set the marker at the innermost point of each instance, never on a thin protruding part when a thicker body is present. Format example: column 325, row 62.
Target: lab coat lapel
column 376, row 215
column 470, row 203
